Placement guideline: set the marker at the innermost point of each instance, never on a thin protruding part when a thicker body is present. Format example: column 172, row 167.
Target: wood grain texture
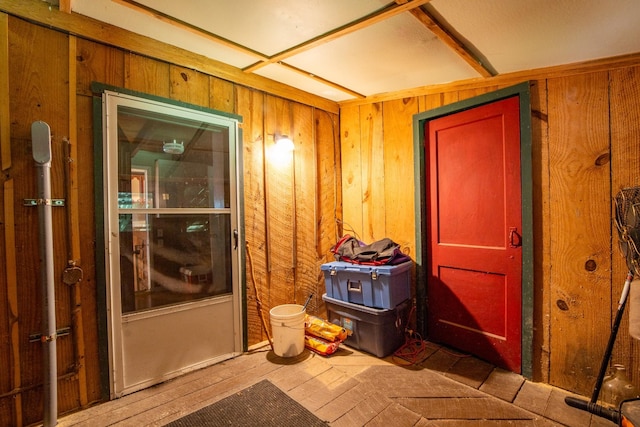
column 105, row 64
column 350, row 154
column 329, row 198
column 101, row 32
column 304, row 203
column 625, row 163
column 96, row 62
column 249, row 104
column 189, row 86
column 221, row 95
column 279, row 202
column 541, row 227
column 579, row 227
column 39, row 90
column 399, row 189
column 146, row 75
column 372, row 173
column 5, row 115
column 10, row 308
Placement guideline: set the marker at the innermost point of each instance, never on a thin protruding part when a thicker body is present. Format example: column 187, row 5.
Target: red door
column 474, row 277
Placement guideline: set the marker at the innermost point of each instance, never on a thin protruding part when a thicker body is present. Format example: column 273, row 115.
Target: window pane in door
column 187, row 161
column 169, row 259
column 174, row 209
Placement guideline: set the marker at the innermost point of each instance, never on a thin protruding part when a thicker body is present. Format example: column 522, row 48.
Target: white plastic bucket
column 287, row 326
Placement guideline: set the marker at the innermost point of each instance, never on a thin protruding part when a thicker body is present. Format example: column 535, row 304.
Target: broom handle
column 258, row 303
column 612, row 338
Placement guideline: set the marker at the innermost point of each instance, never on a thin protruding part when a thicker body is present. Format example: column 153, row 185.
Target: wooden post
column 73, row 215
column 5, row 128
column 12, row 296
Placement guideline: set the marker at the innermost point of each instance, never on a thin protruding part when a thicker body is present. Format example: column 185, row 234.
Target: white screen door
column 171, row 236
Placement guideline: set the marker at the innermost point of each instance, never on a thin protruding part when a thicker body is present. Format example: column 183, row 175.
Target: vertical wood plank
column 541, row 227
column 250, row 106
column 189, row 86
column 222, row 95
column 96, row 62
column 305, row 254
column 73, row 225
column 351, row 170
column 433, row 101
column 280, row 194
column 372, row 157
column 579, row 227
column 13, row 309
column 105, row 64
column 625, row 163
column 450, row 98
column 147, row 75
column 398, row 173
column 470, row 93
column 5, row 116
column 328, row 194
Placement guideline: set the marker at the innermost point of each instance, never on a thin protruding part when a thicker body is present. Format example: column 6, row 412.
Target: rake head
column 627, row 218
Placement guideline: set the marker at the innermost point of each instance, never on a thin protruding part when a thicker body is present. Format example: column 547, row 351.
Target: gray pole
column 41, row 139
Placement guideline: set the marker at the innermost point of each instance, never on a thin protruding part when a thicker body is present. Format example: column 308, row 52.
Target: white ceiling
column 392, row 50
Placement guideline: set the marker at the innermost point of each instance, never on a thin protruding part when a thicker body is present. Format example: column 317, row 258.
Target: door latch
column 515, row 239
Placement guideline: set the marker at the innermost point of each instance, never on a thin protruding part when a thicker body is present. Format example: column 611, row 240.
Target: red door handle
column 515, row 239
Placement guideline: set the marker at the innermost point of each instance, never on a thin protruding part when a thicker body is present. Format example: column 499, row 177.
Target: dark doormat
column 262, row 404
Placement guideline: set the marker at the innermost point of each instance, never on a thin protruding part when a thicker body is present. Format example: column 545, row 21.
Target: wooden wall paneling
column 10, row 404
column 399, row 180
column 96, row 62
column 625, row 163
column 87, row 231
column 222, row 95
column 329, row 196
column 579, row 228
column 147, row 75
column 373, row 194
column 429, row 102
column 39, row 90
column 73, row 225
column 470, row 93
column 398, row 183
column 450, row 97
column 114, row 36
column 305, row 206
column 189, row 86
column 279, row 199
column 11, row 401
column 104, row 64
column 352, row 185
column 5, row 116
column 541, row 235
column 249, row 105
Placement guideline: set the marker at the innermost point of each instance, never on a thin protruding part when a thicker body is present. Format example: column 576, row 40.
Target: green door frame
column 419, row 120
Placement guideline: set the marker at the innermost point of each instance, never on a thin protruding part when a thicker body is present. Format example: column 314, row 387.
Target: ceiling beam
column 324, row 81
column 349, row 28
column 263, row 60
column 445, row 36
column 190, row 27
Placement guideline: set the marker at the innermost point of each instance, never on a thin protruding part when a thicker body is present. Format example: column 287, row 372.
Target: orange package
column 320, row 346
column 317, row 327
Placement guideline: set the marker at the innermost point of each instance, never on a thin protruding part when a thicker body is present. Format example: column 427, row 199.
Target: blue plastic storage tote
column 376, row 331
column 379, row 286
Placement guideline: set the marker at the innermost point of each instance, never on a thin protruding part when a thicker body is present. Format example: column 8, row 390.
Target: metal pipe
column 41, row 139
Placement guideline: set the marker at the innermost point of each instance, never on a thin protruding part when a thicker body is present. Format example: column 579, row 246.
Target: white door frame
column 152, row 346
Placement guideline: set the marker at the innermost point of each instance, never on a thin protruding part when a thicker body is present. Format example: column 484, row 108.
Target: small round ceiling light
column 173, row 147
